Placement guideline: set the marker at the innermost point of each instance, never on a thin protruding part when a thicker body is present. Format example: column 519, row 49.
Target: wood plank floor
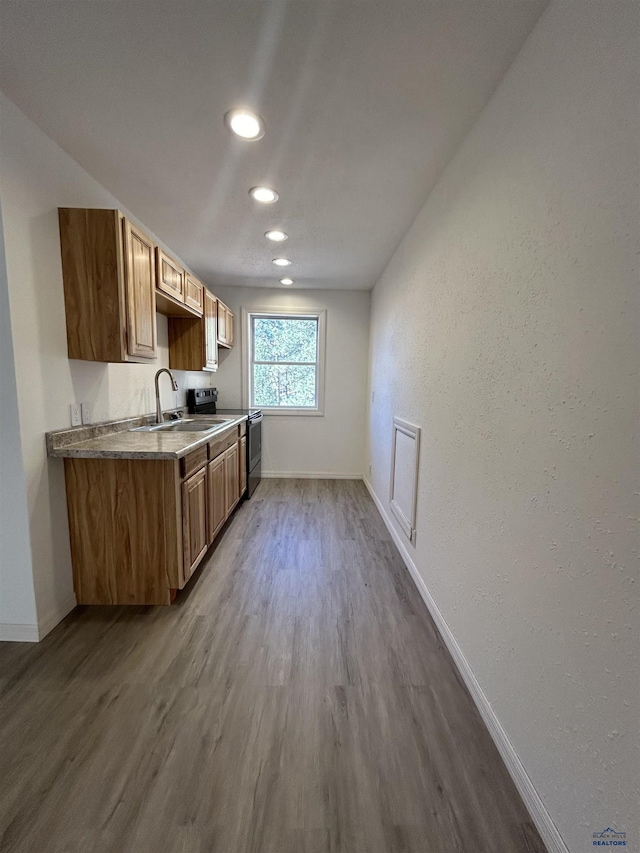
column 297, row 698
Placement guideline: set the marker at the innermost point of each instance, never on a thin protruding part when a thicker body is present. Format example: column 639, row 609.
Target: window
column 285, row 360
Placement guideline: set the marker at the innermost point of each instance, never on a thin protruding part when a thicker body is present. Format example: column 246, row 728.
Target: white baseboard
column 309, row 475
column 12, row 633
column 30, row 633
column 539, row 814
column 55, row 616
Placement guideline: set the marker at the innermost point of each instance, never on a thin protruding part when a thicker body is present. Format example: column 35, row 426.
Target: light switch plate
column 86, row 413
column 76, row 418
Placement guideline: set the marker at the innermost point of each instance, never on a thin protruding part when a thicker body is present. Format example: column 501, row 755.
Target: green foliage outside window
column 285, row 352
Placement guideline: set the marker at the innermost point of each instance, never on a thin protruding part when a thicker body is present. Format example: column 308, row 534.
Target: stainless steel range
column 202, row 401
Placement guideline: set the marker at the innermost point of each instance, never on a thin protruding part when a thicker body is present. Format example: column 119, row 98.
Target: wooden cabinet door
column 170, row 276
column 229, row 328
column 222, row 323
column 210, row 332
column 231, row 473
column 193, row 293
column 242, row 465
column 216, row 496
column 140, row 292
column 225, row 325
column 194, row 520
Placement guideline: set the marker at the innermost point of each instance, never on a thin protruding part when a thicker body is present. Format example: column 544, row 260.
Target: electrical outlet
column 369, row 468
column 76, row 418
column 373, row 395
column 86, row 413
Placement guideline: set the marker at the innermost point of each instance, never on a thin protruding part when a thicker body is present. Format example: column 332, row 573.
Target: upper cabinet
column 210, row 332
column 178, row 293
column 193, row 342
column 193, row 293
column 116, row 278
column 225, row 326
column 139, row 289
column 109, row 277
column 170, row 276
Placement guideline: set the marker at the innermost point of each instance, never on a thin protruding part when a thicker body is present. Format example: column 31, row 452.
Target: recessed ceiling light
column 282, row 262
column 245, row 124
column 286, row 281
column 265, row 195
column 276, row 236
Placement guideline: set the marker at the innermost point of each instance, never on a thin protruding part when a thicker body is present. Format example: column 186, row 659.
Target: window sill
column 305, row 413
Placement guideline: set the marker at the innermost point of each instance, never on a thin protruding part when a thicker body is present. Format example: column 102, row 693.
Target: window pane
column 284, row 385
column 285, row 340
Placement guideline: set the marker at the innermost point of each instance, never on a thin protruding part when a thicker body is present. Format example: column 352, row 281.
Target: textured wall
column 17, row 597
column 37, row 177
column 332, row 444
column 506, row 327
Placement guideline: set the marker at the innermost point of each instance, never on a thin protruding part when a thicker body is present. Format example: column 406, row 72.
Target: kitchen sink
column 184, row 426
column 188, row 426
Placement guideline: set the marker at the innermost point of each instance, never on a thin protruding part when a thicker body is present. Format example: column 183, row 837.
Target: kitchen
column 482, row 347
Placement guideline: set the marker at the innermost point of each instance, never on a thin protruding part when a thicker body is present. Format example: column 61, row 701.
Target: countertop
column 113, row 440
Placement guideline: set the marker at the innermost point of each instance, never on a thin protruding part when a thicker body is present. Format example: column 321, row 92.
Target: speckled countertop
column 113, row 440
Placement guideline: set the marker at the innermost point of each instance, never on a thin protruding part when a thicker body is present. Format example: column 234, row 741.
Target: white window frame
column 318, row 314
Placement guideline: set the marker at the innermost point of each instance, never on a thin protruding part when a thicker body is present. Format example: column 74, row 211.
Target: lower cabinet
column 242, row 464
column 125, row 529
column 139, row 527
column 194, row 521
column 216, row 495
column 223, row 489
column 232, row 476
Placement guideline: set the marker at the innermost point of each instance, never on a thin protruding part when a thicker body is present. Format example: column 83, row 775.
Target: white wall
column 506, row 326
column 37, row 177
column 18, row 617
column 326, row 446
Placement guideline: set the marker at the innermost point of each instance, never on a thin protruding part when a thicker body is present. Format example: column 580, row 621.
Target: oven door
column 254, row 442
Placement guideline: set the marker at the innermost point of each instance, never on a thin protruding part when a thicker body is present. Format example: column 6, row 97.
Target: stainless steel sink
column 188, row 426
column 184, row 426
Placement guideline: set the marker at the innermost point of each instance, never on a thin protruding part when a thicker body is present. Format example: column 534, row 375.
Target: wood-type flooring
column 296, row 698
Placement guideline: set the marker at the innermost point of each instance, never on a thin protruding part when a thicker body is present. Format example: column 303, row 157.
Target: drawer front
column 193, row 461
column 242, row 429
column 223, row 442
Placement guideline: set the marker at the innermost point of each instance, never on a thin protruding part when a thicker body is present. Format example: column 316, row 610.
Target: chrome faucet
column 174, row 385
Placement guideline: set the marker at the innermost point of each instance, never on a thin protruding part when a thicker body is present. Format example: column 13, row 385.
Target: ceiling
column 364, row 102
